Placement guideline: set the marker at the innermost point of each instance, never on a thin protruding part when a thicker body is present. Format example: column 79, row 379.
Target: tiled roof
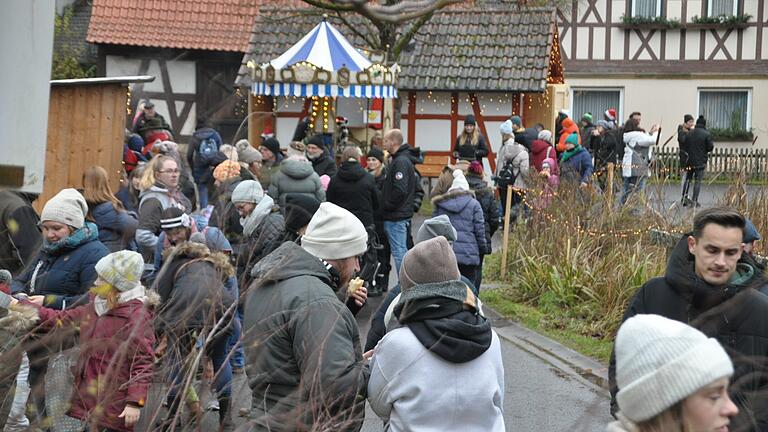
column 504, row 48
column 217, row 25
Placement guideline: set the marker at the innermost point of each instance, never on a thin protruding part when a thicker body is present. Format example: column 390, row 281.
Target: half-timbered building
column 668, row 58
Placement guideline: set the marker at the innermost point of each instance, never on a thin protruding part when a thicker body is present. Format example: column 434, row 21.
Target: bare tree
column 389, row 24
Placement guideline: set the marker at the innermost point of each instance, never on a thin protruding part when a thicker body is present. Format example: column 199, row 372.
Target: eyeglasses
column 172, row 171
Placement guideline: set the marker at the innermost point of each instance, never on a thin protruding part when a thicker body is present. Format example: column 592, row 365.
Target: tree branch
column 372, row 43
column 408, row 35
column 336, row 6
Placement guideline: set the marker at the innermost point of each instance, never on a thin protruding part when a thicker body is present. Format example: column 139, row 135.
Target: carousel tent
column 323, row 63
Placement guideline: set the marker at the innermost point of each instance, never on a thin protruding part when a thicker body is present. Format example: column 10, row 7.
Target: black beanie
column 469, row 120
column 701, row 122
column 272, row 145
column 317, row 140
column 299, row 209
column 687, row 118
column 376, row 152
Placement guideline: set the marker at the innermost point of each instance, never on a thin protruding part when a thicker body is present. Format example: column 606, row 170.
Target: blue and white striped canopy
column 322, row 90
column 324, row 47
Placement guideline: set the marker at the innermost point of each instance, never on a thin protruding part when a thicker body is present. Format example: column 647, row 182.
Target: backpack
column 507, row 175
column 207, row 150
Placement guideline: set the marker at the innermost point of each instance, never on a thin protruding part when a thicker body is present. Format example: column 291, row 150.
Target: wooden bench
column 433, row 165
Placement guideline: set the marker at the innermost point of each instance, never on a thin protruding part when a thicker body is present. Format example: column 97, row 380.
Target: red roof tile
column 217, row 25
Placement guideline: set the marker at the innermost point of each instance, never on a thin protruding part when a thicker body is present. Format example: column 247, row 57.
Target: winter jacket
column 265, row 239
column 295, row 177
column 399, row 189
column 202, row 171
column 736, row 315
column 354, row 189
column 153, row 201
column 578, row 168
column 469, row 151
column 466, row 216
column 541, row 150
column 225, row 216
column 64, row 274
column 115, row 364
column 116, row 227
column 302, row 346
column 515, row 153
column 682, row 136
column 408, row 364
column 191, row 288
column 569, row 127
column 604, row 148
column 20, row 236
column 214, row 240
column 487, row 199
column 526, row 137
column 378, row 214
column 129, row 198
column 698, row 146
column 637, row 153
column 324, row 165
column 140, row 127
column 269, row 170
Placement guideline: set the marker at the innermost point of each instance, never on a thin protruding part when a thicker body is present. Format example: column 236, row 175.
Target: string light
column 128, row 100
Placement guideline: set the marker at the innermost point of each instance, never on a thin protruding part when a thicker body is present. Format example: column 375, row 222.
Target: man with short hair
column 682, row 136
column 305, row 365
column 698, row 145
column 399, row 193
column 318, row 155
column 523, row 135
column 147, row 114
column 163, row 194
column 710, row 285
column 271, row 157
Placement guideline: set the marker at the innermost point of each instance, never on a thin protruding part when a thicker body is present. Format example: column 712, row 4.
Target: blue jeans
column 237, row 358
column 397, row 234
column 202, row 192
column 634, row 184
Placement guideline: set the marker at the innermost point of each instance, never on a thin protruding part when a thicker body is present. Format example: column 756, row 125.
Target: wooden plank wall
column 85, row 128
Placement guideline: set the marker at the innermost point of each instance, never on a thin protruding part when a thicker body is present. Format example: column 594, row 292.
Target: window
column 646, row 8
column 725, row 108
column 596, row 102
column 722, row 7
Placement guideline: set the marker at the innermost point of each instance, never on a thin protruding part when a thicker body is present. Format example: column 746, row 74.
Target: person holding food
column 302, row 344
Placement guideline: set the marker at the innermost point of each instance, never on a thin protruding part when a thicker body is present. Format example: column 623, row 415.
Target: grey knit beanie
column 246, row 153
column 334, row 233
column 436, row 227
column 249, row 191
column 660, row 362
column 429, row 261
column 67, row 207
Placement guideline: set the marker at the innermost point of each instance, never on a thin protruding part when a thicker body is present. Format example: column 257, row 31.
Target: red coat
column 539, row 153
column 116, row 359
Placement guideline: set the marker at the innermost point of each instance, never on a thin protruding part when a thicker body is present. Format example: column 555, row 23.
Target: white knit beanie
column 459, row 181
column 660, row 362
column 506, row 128
column 249, row 191
column 121, row 269
column 67, row 207
column 334, row 233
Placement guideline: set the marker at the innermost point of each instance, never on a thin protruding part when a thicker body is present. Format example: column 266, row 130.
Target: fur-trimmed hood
column 450, row 195
column 194, row 250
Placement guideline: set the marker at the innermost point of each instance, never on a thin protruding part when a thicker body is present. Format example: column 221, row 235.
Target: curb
column 585, row 369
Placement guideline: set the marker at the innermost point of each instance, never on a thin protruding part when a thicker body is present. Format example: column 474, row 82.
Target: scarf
column 253, row 220
column 138, row 292
column 570, row 153
column 88, row 233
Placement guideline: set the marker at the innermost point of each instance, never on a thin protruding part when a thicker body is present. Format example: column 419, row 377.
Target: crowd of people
column 239, row 260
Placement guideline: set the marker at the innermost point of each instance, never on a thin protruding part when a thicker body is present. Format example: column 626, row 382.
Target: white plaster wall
column 284, row 128
column 433, row 135
column 25, row 87
column 673, row 46
column 598, row 50
column 665, row 101
column 617, row 44
column 426, row 103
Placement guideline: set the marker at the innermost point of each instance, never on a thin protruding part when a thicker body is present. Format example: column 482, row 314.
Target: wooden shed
column 86, row 126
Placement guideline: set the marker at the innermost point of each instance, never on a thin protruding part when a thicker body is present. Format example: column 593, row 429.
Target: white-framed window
column 722, row 7
column 596, row 101
column 726, row 108
column 646, row 8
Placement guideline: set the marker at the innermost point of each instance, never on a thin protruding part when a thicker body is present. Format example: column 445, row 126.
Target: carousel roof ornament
column 323, row 63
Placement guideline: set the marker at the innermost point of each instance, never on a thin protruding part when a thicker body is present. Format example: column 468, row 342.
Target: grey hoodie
column 295, row 176
column 302, row 346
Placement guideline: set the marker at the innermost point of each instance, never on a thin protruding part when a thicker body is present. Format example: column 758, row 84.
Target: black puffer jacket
column 302, row 345
column 191, row 288
column 604, row 148
column 399, row 189
column 324, row 165
column 736, row 315
column 698, row 145
column 485, row 196
column 354, row 189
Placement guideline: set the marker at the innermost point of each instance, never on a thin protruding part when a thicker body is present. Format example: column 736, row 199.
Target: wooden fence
column 723, row 163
